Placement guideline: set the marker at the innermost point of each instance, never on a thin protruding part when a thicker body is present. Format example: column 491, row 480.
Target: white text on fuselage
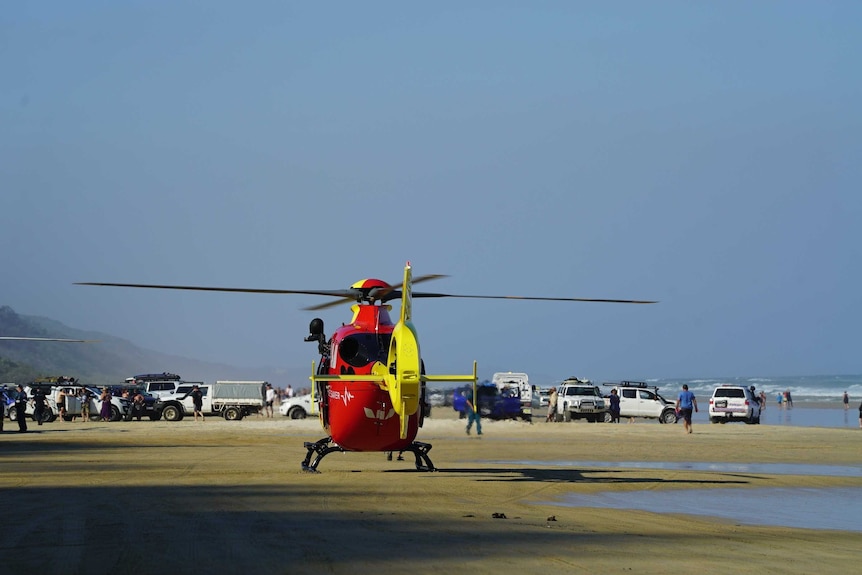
column 338, row 395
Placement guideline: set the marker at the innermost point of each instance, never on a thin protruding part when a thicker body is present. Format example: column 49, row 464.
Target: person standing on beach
column 21, row 408
column 270, row 400
column 615, row 406
column 846, row 400
column 198, row 401
column 685, row 403
column 552, row 405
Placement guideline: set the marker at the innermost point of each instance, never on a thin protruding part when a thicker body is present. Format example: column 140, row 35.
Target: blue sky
column 704, row 154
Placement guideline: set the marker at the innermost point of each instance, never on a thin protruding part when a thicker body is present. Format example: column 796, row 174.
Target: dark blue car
column 492, row 403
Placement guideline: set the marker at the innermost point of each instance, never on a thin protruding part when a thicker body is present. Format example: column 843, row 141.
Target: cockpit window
column 361, row 349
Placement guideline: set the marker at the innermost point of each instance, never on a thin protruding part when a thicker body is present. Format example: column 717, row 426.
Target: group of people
column 18, row 399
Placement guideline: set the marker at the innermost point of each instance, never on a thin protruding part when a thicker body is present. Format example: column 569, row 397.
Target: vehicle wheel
column 713, row 420
column 13, row 414
column 608, row 417
column 296, row 412
column 172, row 413
column 232, row 414
column 68, row 418
column 668, row 417
column 115, row 413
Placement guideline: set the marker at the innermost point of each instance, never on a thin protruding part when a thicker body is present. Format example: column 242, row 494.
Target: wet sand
column 230, row 497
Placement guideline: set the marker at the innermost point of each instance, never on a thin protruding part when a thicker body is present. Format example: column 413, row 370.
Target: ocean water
column 803, row 389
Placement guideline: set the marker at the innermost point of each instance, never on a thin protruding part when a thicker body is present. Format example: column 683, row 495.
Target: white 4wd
column 580, row 399
column 637, row 399
column 733, row 403
column 298, row 407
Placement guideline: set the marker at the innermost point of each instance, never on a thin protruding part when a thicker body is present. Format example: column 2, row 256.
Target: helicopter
column 369, row 385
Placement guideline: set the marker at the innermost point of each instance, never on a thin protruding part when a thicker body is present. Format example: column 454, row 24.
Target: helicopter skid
column 324, row 447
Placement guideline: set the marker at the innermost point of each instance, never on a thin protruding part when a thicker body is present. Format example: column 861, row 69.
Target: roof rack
column 637, row 384
column 165, row 376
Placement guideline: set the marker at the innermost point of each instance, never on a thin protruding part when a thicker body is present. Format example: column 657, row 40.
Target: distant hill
column 110, row 360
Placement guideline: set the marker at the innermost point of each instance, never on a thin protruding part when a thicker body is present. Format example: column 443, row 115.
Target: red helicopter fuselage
column 359, row 415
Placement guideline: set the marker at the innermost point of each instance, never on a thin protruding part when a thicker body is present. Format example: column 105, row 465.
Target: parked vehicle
column 734, row 403
column 492, row 403
column 580, row 399
column 232, row 400
column 637, row 399
column 159, row 385
column 298, row 407
column 149, row 406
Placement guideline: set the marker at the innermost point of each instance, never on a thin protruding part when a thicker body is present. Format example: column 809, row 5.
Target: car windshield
column 730, row 392
column 581, row 391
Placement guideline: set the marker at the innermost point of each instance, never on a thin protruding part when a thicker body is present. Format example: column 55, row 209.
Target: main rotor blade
column 597, row 300
column 10, row 338
column 329, row 304
column 333, row 293
column 383, row 294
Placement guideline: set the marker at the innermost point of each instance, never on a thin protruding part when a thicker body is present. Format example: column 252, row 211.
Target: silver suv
column 734, row 403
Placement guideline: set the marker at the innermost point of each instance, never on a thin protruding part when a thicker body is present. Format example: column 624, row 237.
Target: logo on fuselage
column 380, row 414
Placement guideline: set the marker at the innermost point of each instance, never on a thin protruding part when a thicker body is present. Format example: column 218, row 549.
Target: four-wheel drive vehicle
column 159, row 385
column 149, row 407
column 733, row 403
column 637, row 399
column 580, row 399
column 232, row 400
column 298, row 407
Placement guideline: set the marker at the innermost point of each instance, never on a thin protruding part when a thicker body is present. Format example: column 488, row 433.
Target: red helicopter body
column 359, row 415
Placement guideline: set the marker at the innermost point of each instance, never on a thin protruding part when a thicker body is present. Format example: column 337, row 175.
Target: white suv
column 733, row 403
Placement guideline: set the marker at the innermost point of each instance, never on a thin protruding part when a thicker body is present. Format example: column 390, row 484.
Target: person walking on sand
column 472, row 414
column 685, row 403
column 846, row 400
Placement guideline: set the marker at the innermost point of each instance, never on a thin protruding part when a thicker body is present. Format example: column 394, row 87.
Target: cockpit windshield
column 360, row 349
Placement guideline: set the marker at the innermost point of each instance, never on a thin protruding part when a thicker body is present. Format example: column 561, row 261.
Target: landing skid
column 324, row 447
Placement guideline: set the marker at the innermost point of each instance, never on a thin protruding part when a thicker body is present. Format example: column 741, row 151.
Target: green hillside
column 109, row 360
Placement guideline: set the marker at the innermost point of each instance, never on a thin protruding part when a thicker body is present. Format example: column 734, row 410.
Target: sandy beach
column 230, row 497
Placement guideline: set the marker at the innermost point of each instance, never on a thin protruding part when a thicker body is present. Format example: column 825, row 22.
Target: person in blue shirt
column 685, row 403
column 472, row 414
